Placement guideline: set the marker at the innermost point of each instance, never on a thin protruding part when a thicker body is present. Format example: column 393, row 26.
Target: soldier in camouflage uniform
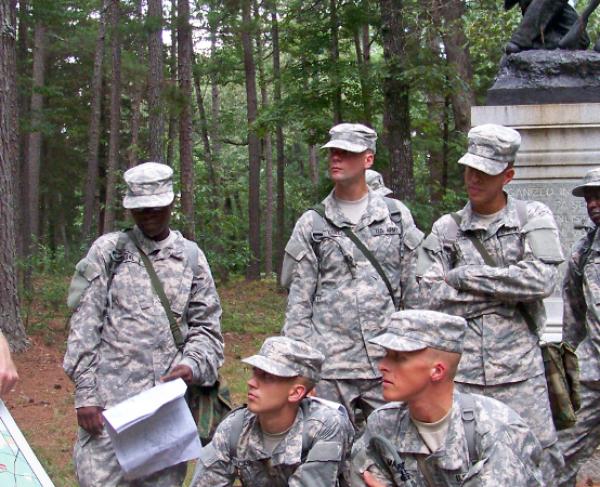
column 581, row 328
column 120, row 342
column 436, row 436
column 501, row 356
column 282, row 438
column 337, row 299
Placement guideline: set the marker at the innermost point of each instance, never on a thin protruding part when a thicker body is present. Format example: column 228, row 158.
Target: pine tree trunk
column 215, row 126
column 362, row 49
column 184, row 49
column 156, row 121
column 279, row 145
column 173, row 122
column 90, row 194
column 10, row 319
column 396, row 113
column 253, row 271
column 448, row 16
column 32, row 188
column 133, row 151
column 111, row 201
column 23, row 104
column 334, row 55
column 267, row 153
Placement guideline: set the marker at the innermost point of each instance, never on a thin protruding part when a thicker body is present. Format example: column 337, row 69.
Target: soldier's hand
column 371, row 481
column 179, row 371
column 90, row 419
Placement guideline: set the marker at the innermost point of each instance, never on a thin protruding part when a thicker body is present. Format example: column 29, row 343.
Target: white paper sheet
column 153, row 430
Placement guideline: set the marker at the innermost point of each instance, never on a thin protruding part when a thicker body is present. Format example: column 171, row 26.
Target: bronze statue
column 550, row 24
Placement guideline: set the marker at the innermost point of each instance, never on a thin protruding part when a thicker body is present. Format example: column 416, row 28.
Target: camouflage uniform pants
column 360, row 397
column 579, row 442
column 529, row 398
column 96, row 466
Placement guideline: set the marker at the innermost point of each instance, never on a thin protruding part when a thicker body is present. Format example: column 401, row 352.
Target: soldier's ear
column 439, row 371
column 296, row 393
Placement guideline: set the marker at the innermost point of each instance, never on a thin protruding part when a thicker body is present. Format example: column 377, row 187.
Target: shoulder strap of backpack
column 191, row 255
column 522, row 212
column 116, row 257
column 237, row 424
column 395, row 212
column 467, row 414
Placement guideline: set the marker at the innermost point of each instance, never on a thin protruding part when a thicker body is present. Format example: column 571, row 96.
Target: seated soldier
column 282, row 437
column 437, row 436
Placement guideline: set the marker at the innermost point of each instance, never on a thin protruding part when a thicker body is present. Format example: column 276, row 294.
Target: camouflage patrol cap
column 590, row 180
column 149, row 185
column 491, row 148
column 353, row 137
column 285, row 357
column 412, row 330
column 375, row 182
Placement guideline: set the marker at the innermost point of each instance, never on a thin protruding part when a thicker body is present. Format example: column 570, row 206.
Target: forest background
column 237, row 96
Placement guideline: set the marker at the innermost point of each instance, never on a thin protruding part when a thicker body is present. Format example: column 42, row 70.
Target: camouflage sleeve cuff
column 87, row 398
column 192, row 365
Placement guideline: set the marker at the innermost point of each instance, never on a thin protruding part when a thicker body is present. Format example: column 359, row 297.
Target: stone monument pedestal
column 560, row 143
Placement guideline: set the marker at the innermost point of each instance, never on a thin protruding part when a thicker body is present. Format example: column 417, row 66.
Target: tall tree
column 267, row 150
column 396, row 91
column 253, row 271
column 32, row 188
column 10, row 320
column 448, row 16
column 156, row 120
column 334, row 54
column 115, row 119
column 91, row 192
column 138, row 85
column 184, row 50
column 173, row 109
column 279, row 142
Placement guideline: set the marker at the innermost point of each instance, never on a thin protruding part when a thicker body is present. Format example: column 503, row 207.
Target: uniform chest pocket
column 510, row 246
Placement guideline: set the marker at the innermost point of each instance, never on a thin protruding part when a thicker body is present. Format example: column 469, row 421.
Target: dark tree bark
column 215, row 126
column 448, row 17
column 10, row 319
column 396, row 113
column 172, row 132
column 133, row 151
column 279, row 145
column 156, row 121
column 334, row 55
column 253, row 271
column 23, row 104
column 267, row 152
column 111, row 202
column 91, row 194
column 32, row 188
column 363, row 57
column 204, row 133
column 184, row 50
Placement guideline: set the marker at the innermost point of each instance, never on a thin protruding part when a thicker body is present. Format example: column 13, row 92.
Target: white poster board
column 19, row 467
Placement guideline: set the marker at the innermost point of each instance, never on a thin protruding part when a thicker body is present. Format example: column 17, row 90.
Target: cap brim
column 383, row 191
column 483, row 164
column 391, row 341
column 345, row 145
column 270, row 366
column 579, row 190
column 151, row 201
